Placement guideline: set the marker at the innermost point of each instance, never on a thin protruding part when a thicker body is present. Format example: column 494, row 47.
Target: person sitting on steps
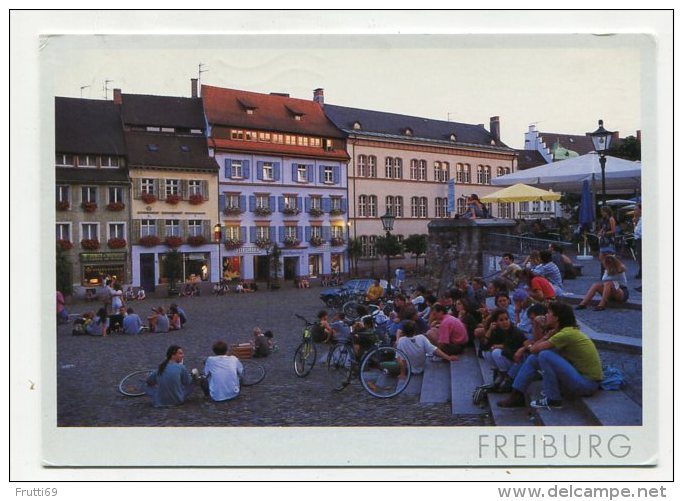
column 613, row 286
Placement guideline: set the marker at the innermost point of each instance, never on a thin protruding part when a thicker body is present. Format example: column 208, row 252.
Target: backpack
column 612, row 379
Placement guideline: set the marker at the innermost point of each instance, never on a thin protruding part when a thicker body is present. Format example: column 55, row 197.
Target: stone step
column 436, row 382
column 613, row 408
column 572, row 413
column 414, row 386
column 465, row 377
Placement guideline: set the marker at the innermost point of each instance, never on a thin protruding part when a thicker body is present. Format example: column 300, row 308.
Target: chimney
column 194, row 87
column 117, row 96
column 638, row 135
column 495, row 129
column 319, row 97
column 615, row 136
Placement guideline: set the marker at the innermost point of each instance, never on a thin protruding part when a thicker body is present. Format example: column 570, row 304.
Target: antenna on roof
column 199, row 76
column 83, row 87
column 105, row 87
column 448, row 115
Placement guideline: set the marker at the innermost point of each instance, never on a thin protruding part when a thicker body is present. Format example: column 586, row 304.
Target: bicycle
column 306, row 353
column 135, row 383
column 384, row 371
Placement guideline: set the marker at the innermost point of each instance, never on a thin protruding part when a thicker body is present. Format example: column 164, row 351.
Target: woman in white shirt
column 613, row 286
column 418, row 347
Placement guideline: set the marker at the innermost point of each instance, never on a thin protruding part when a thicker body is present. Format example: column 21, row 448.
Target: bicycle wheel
column 385, row 372
column 134, row 384
column 304, row 358
column 350, row 310
column 339, row 361
column 253, row 373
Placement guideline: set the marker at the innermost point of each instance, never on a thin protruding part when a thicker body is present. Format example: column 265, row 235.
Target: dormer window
column 408, row 131
column 356, row 125
column 250, row 111
column 153, row 129
column 153, row 147
column 297, row 117
column 453, row 137
column 184, row 148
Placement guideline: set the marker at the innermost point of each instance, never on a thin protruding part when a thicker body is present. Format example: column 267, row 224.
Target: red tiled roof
column 271, row 112
column 278, row 149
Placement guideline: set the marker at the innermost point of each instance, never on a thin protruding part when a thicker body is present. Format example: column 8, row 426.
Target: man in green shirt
column 566, row 357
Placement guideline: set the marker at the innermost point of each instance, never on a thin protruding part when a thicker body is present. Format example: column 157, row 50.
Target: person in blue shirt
column 131, row 322
column 171, row 383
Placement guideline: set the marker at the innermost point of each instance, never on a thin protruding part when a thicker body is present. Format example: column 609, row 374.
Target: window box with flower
column 291, row 241
column 63, row 205
column 90, row 244
column 337, row 241
column 116, row 206
column 316, row 212
column 116, row 243
column 196, row 240
column 65, row 244
column 173, row 241
column 232, row 211
column 262, row 243
column 150, row 241
column 196, row 199
column 291, row 211
column 148, row 198
column 173, row 199
column 315, row 241
column 336, row 212
column 89, row 206
column 263, row 211
column 233, row 243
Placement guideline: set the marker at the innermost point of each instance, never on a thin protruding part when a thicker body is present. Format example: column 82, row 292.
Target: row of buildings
column 223, row 174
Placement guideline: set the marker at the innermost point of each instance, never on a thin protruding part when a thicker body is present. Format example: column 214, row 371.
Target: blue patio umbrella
column 586, row 213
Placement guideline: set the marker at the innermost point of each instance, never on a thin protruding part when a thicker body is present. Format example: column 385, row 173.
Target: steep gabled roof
column 579, row 144
column 88, row 126
column 162, row 111
column 527, row 159
column 228, row 107
column 379, row 123
column 168, row 151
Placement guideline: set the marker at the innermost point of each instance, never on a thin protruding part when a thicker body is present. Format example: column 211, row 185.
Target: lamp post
column 217, row 232
column 601, row 140
column 388, row 225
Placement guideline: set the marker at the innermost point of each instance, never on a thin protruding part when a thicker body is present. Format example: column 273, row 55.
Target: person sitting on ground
column 364, row 337
column 181, row 313
column 417, row 347
column 174, row 322
column 451, row 334
column 508, row 268
column 304, row 283
column 612, row 288
column 129, row 295
column 171, row 383
column 499, row 344
column 99, row 325
column 375, row 292
column 141, row 294
column 550, row 271
column 222, row 373
column 341, row 332
column 562, row 261
column 272, row 347
column 321, row 331
column 132, row 323
column 568, row 360
column 116, row 320
column 158, row 321
column 538, row 288
column 260, row 342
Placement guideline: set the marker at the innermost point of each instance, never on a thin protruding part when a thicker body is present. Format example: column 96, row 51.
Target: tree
column 275, row 266
column 354, row 249
column 416, row 245
column 64, row 280
column 628, row 148
column 388, row 246
column 173, row 266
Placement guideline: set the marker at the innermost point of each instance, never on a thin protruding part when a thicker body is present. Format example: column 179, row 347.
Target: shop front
column 149, row 265
column 232, row 267
column 96, row 267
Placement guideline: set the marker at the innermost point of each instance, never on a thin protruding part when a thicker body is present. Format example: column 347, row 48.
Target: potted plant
column 64, row 244
column 150, row 241
column 115, row 206
column 263, row 211
column 233, row 243
column 290, row 211
column 173, row 199
column 337, row 241
column 315, row 241
column 173, row 241
column 196, row 240
column 63, row 205
column 291, row 241
column 89, row 206
column 116, row 243
column 196, row 199
column 90, row 244
column 262, row 243
column 148, row 198
column 315, row 212
column 232, row 210
column 336, row 212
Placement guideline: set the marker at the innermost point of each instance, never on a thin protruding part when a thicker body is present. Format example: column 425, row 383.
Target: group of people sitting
column 126, row 321
column 133, row 295
column 302, row 282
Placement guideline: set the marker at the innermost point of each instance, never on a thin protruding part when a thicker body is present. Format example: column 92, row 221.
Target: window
column 62, row 194
column 115, row 194
column 441, row 207
column 148, row 227
column 194, row 187
column 503, row 171
column 195, row 131
column 290, row 232
column 291, row 140
column 372, row 166
column 388, row 167
column 89, row 231
column 262, row 201
column 278, row 138
column 418, row 206
column 64, row 160
column 194, row 228
column 315, row 142
column 89, row 194
column 236, row 134
column 172, row 187
column 290, row 201
column 423, row 207
column 361, row 166
column 147, row 186
column 264, row 136
column 87, row 161
column 422, row 170
column 108, row 162
column 547, row 206
column 301, row 174
column 236, row 171
column 391, row 209
column 249, row 135
column 337, row 231
column 368, row 245
column 233, row 233
column 262, row 233
column 462, row 173
column 505, row 210
column 336, row 204
column 483, row 174
column 232, row 200
column 393, row 168
column 441, row 172
column 316, row 232
column 363, row 205
column 316, row 202
column 63, row 231
column 153, row 129
column 268, row 173
column 398, row 206
column 117, row 230
column 413, row 168
column 372, row 206
column 328, row 175
column 460, row 205
column 172, row 228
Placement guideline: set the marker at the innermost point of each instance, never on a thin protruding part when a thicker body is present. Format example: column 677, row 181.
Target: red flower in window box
column 116, row 243
column 89, row 206
column 197, row 199
column 233, row 243
column 150, row 241
column 173, row 241
column 173, row 199
column 63, row 205
column 232, row 211
column 196, row 240
column 148, row 198
column 337, row 241
column 90, row 244
column 64, row 244
column 116, row 206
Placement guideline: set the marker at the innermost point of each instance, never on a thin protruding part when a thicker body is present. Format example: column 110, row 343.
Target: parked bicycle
column 306, row 353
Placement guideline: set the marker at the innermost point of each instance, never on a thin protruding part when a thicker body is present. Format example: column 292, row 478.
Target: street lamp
column 217, row 232
column 388, row 224
column 601, row 140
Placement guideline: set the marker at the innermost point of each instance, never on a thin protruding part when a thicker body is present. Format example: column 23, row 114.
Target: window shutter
column 281, row 203
column 307, row 204
column 243, row 203
column 224, row 231
column 161, row 228
column 308, row 233
column 228, row 168
column 299, row 203
column 321, row 174
column 271, row 233
column 184, row 189
column 271, row 203
column 299, row 233
column 327, row 233
column 252, row 234
column 160, row 188
column 310, row 171
column 137, row 188
column 184, row 229
column 205, row 189
column 335, row 174
column 294, row 176
column 276, row 171
column 281, row 234
column 327, row 204
column 245, row 169
column 206, row 229
column 135, row 233
column 252, row 203
column 243, row 234
column 221, row 203
column 259, row 171
column 343, row 205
